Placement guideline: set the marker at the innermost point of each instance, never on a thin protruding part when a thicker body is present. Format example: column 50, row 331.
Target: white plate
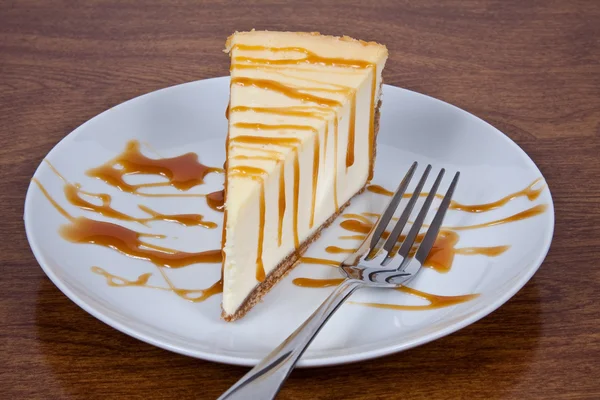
column 190, row 117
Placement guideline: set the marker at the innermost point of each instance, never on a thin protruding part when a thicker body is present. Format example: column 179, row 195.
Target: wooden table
column 531, row 68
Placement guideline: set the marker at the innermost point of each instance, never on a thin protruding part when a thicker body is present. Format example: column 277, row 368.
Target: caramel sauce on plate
column 183, row 219
column 442, row 253
column 317, row 283
column 118, row 281
column 216, row 200
column 193, row 295
column 532, row 192
column 441, row 256
column 338, row 250
column 381, row 190
column 74, row 195
column 126, row 241
column 183, row 172
column 530, row 212
column 320, row 261
column 435, row 301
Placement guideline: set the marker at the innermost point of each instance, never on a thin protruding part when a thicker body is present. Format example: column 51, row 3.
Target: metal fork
column 369, row 266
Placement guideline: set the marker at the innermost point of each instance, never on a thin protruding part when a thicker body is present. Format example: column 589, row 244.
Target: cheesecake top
column 331, row 46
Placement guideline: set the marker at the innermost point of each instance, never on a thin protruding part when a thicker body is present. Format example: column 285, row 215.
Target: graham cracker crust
column 290, row 261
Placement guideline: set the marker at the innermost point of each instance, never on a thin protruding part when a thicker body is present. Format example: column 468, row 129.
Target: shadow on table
column 92, row 360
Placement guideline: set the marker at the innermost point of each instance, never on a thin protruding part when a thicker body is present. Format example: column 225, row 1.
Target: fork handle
column 266, row 379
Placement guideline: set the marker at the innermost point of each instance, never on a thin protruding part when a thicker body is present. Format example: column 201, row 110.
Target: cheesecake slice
column 303, row 118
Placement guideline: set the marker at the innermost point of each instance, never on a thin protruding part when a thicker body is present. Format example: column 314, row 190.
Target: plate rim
column 311, row 362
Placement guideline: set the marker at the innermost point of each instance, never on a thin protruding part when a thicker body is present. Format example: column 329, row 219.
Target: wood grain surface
column 531, row 68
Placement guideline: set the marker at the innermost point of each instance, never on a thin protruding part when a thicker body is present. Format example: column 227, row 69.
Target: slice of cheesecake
column 303, row 118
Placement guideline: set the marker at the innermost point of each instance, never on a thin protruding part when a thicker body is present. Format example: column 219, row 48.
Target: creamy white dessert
column 303, row 118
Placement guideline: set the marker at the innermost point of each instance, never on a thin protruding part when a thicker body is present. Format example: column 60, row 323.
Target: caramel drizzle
column 531, row 191
column 187, row 294
column 351, row 132
column 126, row 241
column 310, row 57
column 379, row 190
column 216, row 200
column 255, row 174
column 359, row 217
column 383, row 191
column 73, row 194
column 278, row 141
column 282, row 203
column 183, row 172
column 336, row 87
column 290, row 111
column 118, row 281
column 352, row 237
column 54, row 203
column 317, row 283
column 284, row 142
column 193, row 295
column 260, row 268
column 267, row 127
column 315, row 179
column 319, row 261
column 372, row 123
column 298, row 111
column 435, row 300
column 530, row 212
column 272, row 155
column 286, row 90
column 338, row 250
column 335, row 163
column 441, row 256
column 183, row 219
column 295, row 199
column 277, row 69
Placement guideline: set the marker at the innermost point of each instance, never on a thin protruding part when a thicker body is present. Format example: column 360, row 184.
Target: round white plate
column 190, row 117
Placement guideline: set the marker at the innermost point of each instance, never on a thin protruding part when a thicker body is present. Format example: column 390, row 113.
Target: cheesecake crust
column 287, row 264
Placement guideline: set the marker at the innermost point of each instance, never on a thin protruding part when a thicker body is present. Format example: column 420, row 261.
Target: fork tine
column 395, row 234
column 416, row 227
column 436, row 224
column 387, row 215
